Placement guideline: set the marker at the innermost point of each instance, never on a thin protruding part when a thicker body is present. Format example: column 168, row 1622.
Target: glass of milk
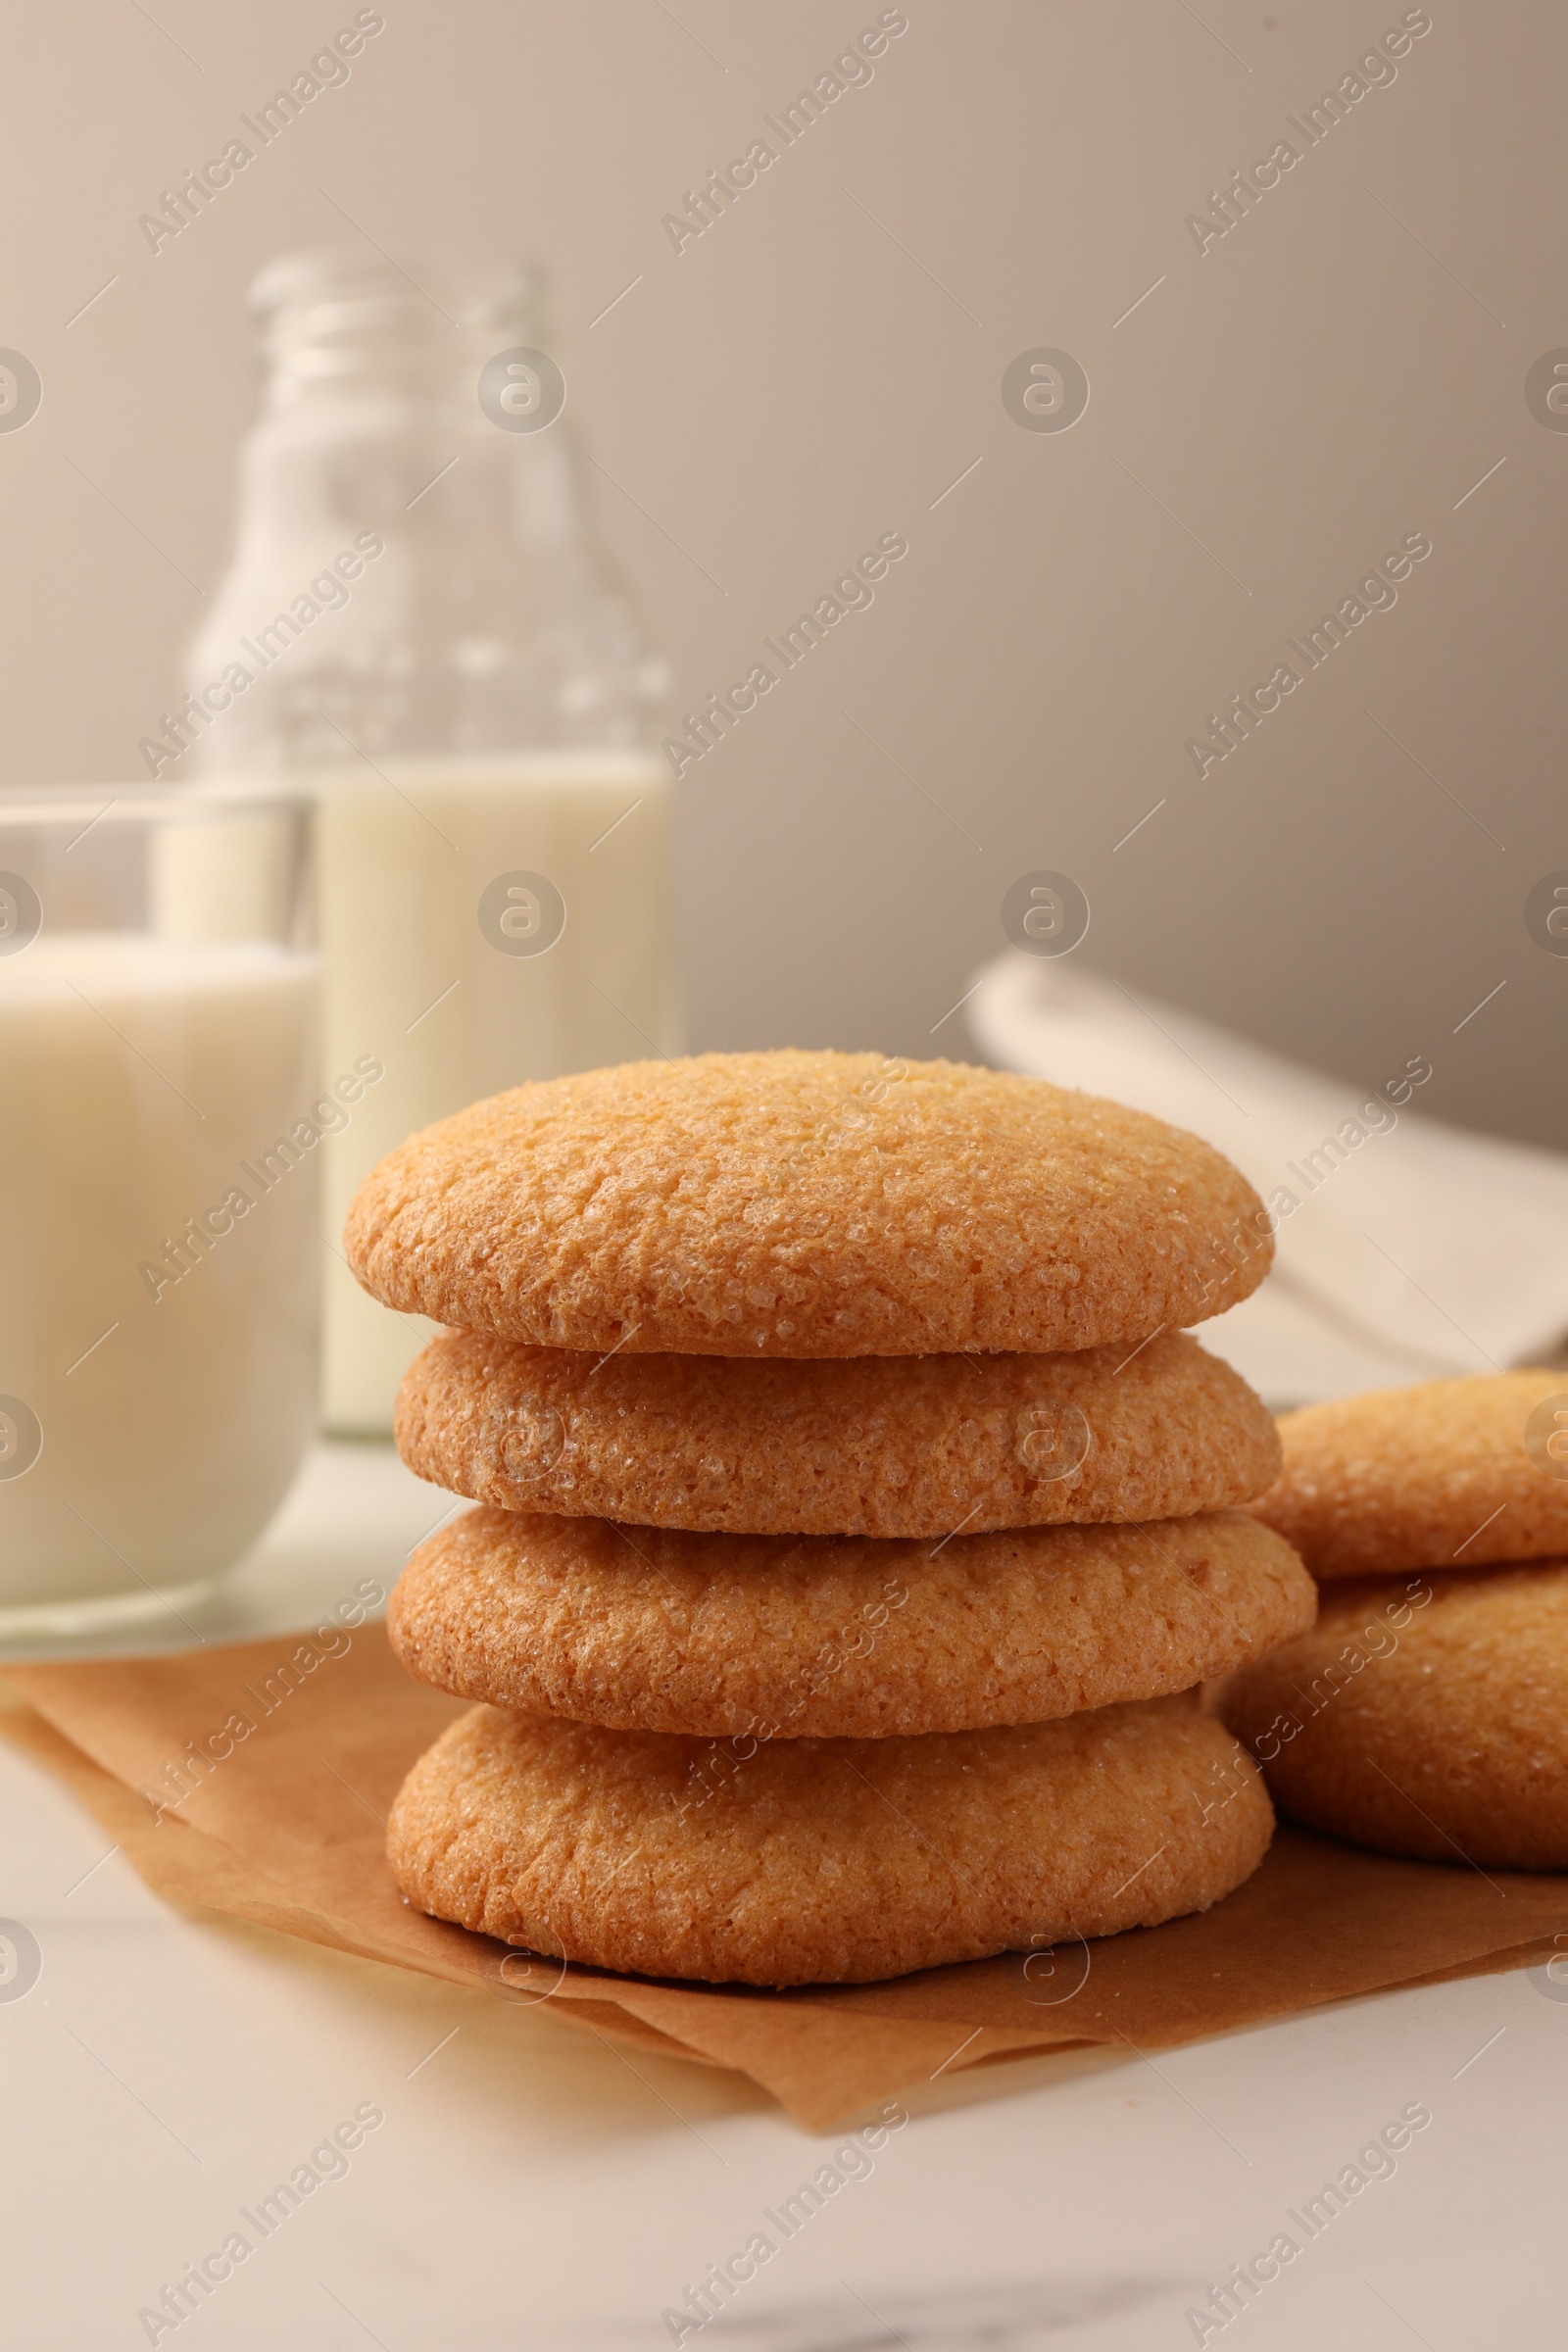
column 420, row 622
column 161, row 1121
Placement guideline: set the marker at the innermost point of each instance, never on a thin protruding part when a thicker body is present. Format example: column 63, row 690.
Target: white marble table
column 531, row 2186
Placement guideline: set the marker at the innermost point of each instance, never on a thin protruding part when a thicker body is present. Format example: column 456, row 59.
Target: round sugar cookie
column 866, row 1446
column 806, row 1205
column 1449, row 1474
column 1424, row 1716
column 823, row 1861
column 836, row 1637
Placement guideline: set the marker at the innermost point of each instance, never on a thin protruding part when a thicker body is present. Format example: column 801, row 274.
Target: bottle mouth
column 347, row 311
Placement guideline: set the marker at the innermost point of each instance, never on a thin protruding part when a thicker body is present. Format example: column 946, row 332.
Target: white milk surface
column 406, row 855
column 136, row 1075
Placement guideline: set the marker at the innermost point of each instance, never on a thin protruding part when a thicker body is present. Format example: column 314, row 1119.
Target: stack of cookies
column 855, row 1520
column 1427, row 1711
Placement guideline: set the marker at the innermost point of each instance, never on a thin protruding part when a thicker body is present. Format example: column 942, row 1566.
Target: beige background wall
column 820, row 368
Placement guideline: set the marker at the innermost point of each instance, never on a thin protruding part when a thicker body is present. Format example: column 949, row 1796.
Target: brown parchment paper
column 286, row 1830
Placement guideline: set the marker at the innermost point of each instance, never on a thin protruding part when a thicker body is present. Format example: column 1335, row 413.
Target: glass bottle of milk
column 418, row 617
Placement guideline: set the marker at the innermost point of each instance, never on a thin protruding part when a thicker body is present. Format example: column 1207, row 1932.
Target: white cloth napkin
column 1407, row 1250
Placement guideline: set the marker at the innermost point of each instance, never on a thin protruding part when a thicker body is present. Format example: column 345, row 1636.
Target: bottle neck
column 429, row 319
column 415, row 572
column 412, row 398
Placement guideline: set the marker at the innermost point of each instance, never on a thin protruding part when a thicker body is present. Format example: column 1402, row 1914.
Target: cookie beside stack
column 855, row 1520
column 1426, row 1713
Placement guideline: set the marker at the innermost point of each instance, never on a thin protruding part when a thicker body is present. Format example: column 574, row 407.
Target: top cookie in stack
column 821, row 1406
column 805, row 1206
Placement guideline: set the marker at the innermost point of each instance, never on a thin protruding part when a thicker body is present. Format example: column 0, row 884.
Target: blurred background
column 1270, row 411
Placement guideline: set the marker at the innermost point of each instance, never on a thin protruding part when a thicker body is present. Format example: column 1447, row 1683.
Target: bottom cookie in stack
column 1426, row 1713
column 784, row 1760
column 833, row 1861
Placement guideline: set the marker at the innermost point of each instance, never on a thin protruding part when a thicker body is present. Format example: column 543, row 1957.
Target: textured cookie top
column 865, row 1446
column 836, row 1636
column 1424, row 1716
column 1453, row 1473
column 823, row 1860
column 806, row 1205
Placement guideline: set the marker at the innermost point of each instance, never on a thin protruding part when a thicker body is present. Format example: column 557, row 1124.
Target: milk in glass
column 158, row 1258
